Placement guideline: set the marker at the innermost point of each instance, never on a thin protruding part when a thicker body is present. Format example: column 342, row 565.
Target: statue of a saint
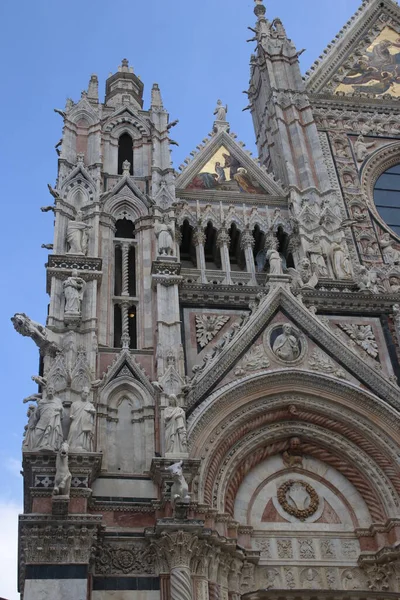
column 175, row 427
column 361, row 148
column 29, row 433
column 77, row 235
column 286, row 345
column 275, row 262
column 47, row 421
column 220, row 111
column 293, row 456
column 74, row 287
column 390, row 254
column 317, row 257
column 165, row 237
column 340, row 261
column 81, row 432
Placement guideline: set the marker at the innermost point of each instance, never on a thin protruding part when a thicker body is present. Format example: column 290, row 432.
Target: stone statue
column 47, row 421
column 77, row 235
column 340, row 261
column 367, row 281
column 29, row 430
column 311, row 580
column 361, row 148
column 28, row 328
column 293, row 456
column 286, row 345
column 390, row 254
column 275, row 262
column 82, row 416
column 180, row 488
column 317, row 257
column 305, row 277
column 221, row 111
column 175, row 427
column 351, row 581
column 62, row 483
column 165, row 238
column 74, row 287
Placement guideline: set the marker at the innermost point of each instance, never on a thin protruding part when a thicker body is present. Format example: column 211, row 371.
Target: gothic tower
column 218, row 403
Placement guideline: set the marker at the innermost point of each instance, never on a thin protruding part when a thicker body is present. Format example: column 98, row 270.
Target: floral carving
column 134, row 559
column 207, row 327
column 285, row 549
column 254, row 360
column 306, row 549
column 298, row 499
column 319, row 361
column 328, row 549
column 363, row 336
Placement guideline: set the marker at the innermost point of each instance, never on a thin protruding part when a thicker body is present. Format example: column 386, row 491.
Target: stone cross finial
column 259, row 9
column 126, row 168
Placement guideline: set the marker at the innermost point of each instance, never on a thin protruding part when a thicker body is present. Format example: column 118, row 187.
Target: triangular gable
column 338, row 353
column 222, row 165
column 125, row 114
column 79, row 172
column 125, row 365
column 128, row 183
column 358, row 61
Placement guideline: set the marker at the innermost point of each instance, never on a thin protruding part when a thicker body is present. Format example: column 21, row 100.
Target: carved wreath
column 301, row 514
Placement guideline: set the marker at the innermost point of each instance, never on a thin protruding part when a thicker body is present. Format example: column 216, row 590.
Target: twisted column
column 125, row 269
column 199, row 239
column 247, row 244
column 223, row 241
column 176, row 551
column 125, row 339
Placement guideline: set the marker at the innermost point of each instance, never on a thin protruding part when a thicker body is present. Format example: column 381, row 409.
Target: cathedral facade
column 218, row 406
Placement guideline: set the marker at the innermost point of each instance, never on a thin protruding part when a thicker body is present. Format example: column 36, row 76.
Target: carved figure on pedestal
column 74, row 287
column 351, row 581
column 48, row 416
column 311, row 580
column 390, row 254
column 81, row 432
column 29, row 430
column 361, row 148
column 220, row 111
column 340, row 261
column 286, row 346
column 77, row 235
column 28, row 328
column 275, row 262
column 367, row 281
column 304, row 277
column 175, row 427
column 165, row 238
column 180, row 488
column 317, row 257
column 62, row 483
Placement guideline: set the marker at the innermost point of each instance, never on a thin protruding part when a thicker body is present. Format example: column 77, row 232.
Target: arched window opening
column 211, row 251
column 82, row 137
column 258, row 249
column 132, row 327
column 117, row 326
column 236, row 254
column 283, row 248
column 132, row 272
column 125, row 152
column 124, row 229
column 187, row 249
column 118, row 271
column 387, row 197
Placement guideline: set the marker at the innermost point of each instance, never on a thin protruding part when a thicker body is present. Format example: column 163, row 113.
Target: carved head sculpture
column 64, row 449
column 50, row 392
column 176, row 470
column 172, row 400
column 85, row 393
column 74, row 273
column 21, row 323
column 294, row 443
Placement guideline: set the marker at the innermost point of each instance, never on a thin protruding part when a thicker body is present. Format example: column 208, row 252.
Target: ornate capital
column 199, row 237
column 223, row 238
column 174, row 550
column 247, row 240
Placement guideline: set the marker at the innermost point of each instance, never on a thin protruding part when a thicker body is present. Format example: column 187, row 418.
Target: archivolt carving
column 378, row 163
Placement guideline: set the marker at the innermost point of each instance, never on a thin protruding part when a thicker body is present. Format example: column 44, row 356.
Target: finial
column 259, row 9
column 124, row 67
column 156, row 100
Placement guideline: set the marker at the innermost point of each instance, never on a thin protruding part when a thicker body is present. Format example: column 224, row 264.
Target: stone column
column 125, row 268
column 223, row 572
column 125, row 339
column 247, row 244
column 177, row 550
column 178, row 242
column 213, row 585
column 200, row 571
column 223, row 241
column 199, row 239
column 234, row 579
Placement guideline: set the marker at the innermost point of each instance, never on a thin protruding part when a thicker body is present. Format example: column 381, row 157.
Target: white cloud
column 14, row 466
column 8, row 549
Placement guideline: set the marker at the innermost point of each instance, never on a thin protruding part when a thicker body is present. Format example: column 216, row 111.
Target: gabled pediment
column 125, row 365
column 83, row 110
column 127, row 186
column 223, row 166
column 262, row 344
column 126, row 114
column 81, row 176
column 364, row 58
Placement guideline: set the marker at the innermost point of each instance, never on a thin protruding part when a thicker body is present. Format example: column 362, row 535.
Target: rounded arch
column 244, row 422
column 380, row 161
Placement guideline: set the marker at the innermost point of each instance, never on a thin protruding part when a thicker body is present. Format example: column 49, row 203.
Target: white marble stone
column 55, row 589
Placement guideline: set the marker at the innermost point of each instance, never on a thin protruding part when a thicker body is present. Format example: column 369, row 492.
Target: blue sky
column 196, row 51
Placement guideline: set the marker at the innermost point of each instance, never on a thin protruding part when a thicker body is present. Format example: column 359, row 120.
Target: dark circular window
column 387, row 197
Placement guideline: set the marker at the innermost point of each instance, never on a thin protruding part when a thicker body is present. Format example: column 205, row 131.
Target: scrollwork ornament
column 292, row 509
